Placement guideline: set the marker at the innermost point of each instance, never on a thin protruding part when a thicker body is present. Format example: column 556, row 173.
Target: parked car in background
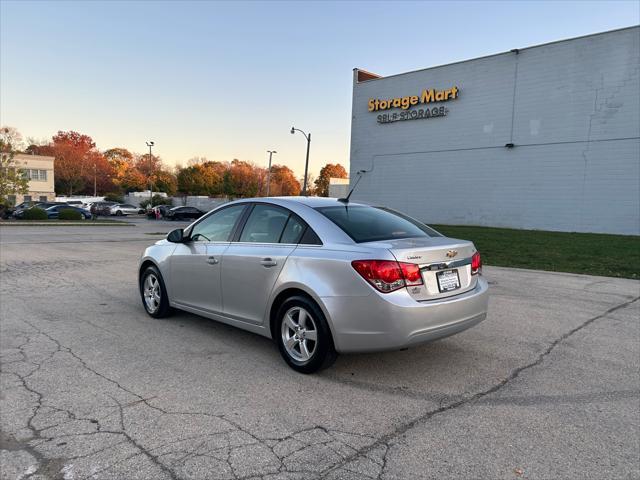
column 102, row 208
column 184, row 213
column 75, row 203
column 120, row 209
column 23, row 205
column 319, row 276
column 9, row 212
column 54, row 211
column 158, row 209
column 42, row 205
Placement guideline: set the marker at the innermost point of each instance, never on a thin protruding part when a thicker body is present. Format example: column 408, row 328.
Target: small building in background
column 39, row 170
column 338, row 187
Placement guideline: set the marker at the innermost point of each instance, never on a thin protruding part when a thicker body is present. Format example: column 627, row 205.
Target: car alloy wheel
column 303, row 335
column 152, row 293
column 299, row 334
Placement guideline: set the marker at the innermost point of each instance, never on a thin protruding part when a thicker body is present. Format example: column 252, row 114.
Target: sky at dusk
column 228, row 80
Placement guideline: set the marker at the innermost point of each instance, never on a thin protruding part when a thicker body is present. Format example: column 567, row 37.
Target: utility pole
column 306, row 163
column 150, row 144
column 95, row 179
column 270, row 152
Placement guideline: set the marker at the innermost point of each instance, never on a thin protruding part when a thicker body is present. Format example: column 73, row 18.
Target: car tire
column 118, row 213
column 154, row 293
column 303, row 351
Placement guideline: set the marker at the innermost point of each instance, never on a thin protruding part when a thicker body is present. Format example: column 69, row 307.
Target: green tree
column 12, row 178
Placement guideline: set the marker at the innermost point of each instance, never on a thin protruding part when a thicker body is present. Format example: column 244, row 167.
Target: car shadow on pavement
column 413, row 372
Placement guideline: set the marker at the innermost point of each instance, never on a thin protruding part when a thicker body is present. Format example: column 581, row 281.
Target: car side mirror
column 176, row 236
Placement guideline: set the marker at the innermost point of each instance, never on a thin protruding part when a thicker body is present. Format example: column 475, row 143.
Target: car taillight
column 411, row 273
column 388, row 275
column 476, row 264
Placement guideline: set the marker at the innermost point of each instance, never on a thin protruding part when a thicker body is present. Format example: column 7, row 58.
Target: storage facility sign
column 405, row 103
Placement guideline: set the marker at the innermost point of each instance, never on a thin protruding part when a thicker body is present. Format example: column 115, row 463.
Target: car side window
column 309, row 237
column 218, row 226
column 293, row 230
column 265, row 224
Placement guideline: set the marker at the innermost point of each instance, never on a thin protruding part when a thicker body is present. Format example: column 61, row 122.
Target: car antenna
column 346, row 199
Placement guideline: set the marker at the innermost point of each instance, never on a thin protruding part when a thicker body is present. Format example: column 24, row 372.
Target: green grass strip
column 586, row 253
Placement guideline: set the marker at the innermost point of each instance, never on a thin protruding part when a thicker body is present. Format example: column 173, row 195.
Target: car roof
column 313, row 202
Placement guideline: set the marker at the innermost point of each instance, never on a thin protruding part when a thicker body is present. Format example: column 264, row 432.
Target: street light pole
column 95, row 179
column 306, row 163
column 270, row 152
column 150, row 144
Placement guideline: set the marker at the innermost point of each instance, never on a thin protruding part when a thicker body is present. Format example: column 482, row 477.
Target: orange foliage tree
column 151, row 167
column 75, row 155
column 330, row 170
column 283, row 181
column 243, row 179
column 202, row 178
column 126, row 177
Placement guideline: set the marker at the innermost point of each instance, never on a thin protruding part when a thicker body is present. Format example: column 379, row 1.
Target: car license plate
column 448, row 280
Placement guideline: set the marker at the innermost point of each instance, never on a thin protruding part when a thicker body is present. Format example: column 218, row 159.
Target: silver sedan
column 319, row 276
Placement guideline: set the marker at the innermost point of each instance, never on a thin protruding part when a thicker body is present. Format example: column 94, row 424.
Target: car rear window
column 370, row 224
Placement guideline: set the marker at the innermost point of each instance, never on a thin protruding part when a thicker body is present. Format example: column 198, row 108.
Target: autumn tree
column 283, row 181
column 39, row 147
column 12, row 178
column 243, row 179
column 330, row 170
column 126, row 177
column 98, row 178
column 166, row 182
column 202, row 178
column 75, row 156
column 152, row 169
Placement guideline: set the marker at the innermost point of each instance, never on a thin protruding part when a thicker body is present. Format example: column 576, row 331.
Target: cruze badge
column 452, row 253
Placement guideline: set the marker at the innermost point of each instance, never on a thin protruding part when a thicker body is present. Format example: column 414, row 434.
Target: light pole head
column 293, row 130
column 150, row 144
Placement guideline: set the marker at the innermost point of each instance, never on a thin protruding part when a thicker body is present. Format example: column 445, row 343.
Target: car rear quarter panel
column 325, row 272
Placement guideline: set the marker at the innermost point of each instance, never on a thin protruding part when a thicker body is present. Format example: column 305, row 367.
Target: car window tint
column 370, row 224
column 310, row 238
column 218, row 226
column 293, row 230
column 265, row 224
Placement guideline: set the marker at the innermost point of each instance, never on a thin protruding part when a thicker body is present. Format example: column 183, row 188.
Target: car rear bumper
column 395, row 320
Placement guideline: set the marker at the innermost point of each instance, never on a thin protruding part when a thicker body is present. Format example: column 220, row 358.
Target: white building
column 545, row 137
column 40, row 172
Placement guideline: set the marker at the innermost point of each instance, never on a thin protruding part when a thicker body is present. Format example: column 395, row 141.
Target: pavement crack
column 387, row 439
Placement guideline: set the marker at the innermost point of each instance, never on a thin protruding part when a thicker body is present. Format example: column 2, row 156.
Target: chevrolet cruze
column 319, row 276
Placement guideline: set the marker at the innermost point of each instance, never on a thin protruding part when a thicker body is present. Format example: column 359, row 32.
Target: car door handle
column 268, row 262
column 212, row 260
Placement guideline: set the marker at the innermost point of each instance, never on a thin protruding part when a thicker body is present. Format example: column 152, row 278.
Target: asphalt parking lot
column 547, row 387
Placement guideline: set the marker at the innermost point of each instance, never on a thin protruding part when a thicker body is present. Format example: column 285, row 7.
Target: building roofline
column 513, row 50
column 34, row 157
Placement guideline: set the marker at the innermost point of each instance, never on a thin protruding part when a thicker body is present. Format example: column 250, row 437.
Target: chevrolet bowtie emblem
column 452, row 253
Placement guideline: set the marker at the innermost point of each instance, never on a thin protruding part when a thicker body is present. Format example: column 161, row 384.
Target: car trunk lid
column 445, row 264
